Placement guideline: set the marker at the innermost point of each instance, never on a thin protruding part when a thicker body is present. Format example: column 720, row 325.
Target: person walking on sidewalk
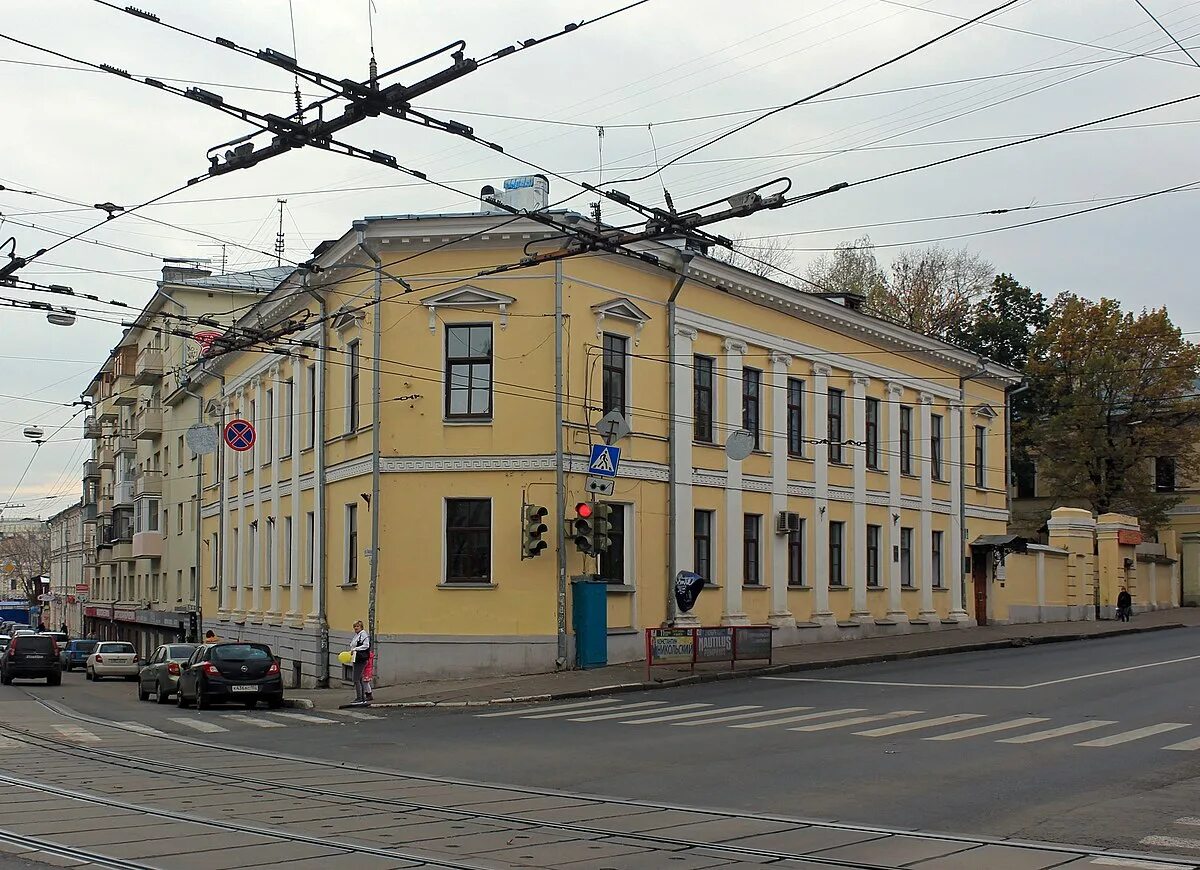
column 368, row 676
column 360, row 655
column 1124, row 605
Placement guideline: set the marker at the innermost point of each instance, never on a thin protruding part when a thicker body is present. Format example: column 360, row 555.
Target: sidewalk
column 631, row 677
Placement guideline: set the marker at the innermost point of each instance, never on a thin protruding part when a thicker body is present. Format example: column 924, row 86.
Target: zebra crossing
column 860, row 722
column 215, row 723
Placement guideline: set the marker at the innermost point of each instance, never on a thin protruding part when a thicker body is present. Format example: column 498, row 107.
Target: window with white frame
column 615, row 373
column 906, row 556
column 353, row 376
column 286, row 578
column 214, row 551
column 310, row 415
column 938, row 580
column 289, row 404
column 267, row 429
column 310, row 547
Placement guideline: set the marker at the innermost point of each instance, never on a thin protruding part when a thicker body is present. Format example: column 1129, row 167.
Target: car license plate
column 243, row 688
column 34, row 656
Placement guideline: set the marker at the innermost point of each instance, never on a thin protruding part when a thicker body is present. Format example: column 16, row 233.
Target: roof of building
column 263, row 280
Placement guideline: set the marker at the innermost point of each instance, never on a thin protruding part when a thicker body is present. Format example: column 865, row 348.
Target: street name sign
column 202, row 438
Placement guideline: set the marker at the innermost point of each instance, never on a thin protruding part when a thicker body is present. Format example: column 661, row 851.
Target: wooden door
column 979, row 577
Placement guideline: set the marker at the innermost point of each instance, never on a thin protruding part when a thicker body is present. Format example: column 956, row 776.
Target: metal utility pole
column 560, row 489
column 279, row 245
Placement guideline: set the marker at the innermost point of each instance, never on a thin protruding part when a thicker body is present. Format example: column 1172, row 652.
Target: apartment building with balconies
column 139, row 486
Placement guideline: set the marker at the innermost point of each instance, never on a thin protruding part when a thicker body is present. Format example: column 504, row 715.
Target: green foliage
column 1111, row 391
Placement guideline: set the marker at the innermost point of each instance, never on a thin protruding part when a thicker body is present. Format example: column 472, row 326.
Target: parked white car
column 113, row 658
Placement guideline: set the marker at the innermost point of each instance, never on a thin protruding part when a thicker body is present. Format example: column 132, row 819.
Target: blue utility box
column 589, row 618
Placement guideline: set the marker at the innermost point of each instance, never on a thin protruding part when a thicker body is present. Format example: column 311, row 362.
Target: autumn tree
column 850, row 268
column 29, row 553
column 1113, row 392
column 767, row 258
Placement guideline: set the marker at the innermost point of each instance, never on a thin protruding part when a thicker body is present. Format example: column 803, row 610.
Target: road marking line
column 789, row 719
column 988, row 729
column 628, row 710
column 304, row 717
column 553, row 708
column 1136, row 734
column 253, row 720
column 74, row 732
column 693, row 714
column 1170, row 842
column 144, row 729
column 857, row 720
column 1105, row 861
column 1061, row 731
column 1186, row 745
column 1188, row 820
column 1109, row 673
column 352, row 714
column 602, row 709
column 198, row 725
column 609, row 705
column 774, row 712
column 889, row 730
column 887, row 683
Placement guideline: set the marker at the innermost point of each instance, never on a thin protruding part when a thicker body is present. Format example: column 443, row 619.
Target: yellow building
column 845, row 520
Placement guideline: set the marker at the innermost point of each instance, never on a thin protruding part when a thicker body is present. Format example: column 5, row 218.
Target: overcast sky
column 92, row 138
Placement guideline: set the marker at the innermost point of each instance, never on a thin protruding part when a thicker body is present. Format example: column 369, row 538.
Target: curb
column 770, row 670
column 298, row 703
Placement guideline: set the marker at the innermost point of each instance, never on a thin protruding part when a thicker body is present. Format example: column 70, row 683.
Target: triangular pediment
column 347, row 318
column 986, row 411
column 622, row 309
column 468, row 296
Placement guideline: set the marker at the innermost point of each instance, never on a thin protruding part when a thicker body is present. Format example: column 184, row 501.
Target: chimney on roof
column 853, row 301
column 180, row 269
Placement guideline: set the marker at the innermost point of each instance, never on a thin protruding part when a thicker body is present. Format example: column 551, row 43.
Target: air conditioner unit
column 787, row 522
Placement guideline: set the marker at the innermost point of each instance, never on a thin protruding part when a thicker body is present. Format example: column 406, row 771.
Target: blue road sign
column 604, row 460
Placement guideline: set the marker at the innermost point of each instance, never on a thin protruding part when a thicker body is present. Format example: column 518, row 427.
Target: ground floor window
column 468, row 540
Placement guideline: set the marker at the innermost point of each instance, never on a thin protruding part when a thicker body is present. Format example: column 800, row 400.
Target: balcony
column 123, row 494
column 90, row 511
column 126, row 443
column 124, row 390
column 104, row 506
column 149, row 366
column 122, row 551
column 108, row 458
column 148, row 483
column 148, row 423
column 91, row 470
column 106, row 411
column 92, row 428
column 147, row 545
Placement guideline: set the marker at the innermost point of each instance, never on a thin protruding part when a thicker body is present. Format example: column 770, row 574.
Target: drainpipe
column 685, row 257
column 962, row 476
column 319, row 490
column 377, row 339
column 560, row 489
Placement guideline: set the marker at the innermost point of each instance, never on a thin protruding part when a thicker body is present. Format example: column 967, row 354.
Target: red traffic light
column 584, row 510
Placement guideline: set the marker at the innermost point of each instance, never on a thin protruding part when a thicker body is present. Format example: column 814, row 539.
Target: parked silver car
column 160, row 674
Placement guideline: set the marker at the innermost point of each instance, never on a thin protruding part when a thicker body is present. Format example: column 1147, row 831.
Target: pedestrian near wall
column 369, row 675
column 360, row 653
column 1124, row 605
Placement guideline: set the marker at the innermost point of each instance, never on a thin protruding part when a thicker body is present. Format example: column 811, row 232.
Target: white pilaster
column 220, row 459
column 275, row 529
column 923, row 558
column 857, row 545
column 820, row 549
column 243, row 526
column 896, row 611
column 318, row 587
column 953, row 573
column 1041, row 585
column 779, row 616
column 733, row 614
column 257, row 540
column 298, row 524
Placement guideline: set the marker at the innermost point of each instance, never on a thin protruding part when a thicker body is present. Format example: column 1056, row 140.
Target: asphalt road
column 1065, row 742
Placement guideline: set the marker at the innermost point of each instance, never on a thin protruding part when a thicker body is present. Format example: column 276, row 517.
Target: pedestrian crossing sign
column 604, row 460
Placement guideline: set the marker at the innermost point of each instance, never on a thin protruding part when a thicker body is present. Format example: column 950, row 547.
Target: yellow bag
column 345, row 657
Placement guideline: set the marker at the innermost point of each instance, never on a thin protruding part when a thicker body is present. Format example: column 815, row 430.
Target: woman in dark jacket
column 1124, row 605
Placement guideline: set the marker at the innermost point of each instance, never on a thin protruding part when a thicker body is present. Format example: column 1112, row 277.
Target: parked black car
column 231, row 672
column 31, row 657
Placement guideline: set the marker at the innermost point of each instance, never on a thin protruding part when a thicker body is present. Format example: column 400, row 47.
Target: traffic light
column 601, row 526
column 532, row 529
column 582, row 531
